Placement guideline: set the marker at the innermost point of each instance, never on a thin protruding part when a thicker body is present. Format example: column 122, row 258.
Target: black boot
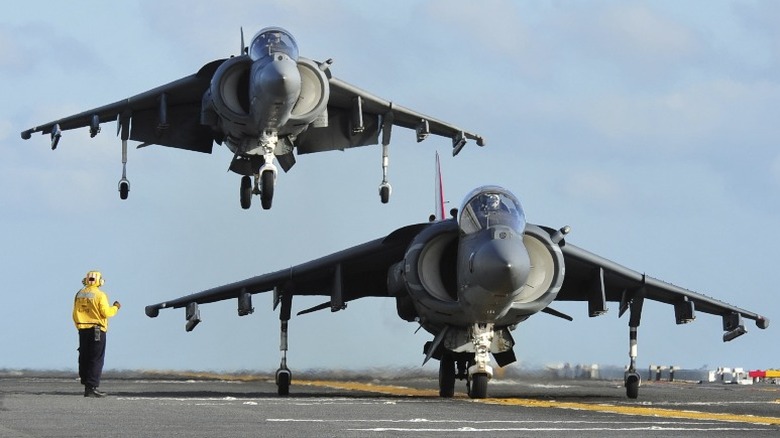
column 91, row 391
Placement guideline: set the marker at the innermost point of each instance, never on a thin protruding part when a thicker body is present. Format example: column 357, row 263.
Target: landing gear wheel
column 267, row 189
column 446, row 376
column 632, row 386
column 283, row 378
column 124, row 190
column 384, row 194
column 478, row 386
column 246, row 192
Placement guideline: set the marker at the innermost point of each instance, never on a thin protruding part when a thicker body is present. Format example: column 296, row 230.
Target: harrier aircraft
column 469, row 281
column 263, row 105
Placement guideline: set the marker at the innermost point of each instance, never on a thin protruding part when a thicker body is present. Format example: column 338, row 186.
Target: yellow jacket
column 90, row 308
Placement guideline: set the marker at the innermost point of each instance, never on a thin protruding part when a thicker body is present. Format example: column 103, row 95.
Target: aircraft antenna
column 439, row 196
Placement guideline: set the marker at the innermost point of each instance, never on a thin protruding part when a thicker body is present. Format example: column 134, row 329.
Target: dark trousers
column 92, row 352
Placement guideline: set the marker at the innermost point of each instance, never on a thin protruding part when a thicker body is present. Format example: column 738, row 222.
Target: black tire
column 267, row 188
column 446, row 376
column 478, row 387
column 283, row 383
column 384, row 194
column 124, row 190
column 632, row 387
column 246, row 192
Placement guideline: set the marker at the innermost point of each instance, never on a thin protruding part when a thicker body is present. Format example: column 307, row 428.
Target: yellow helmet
column 93, row 278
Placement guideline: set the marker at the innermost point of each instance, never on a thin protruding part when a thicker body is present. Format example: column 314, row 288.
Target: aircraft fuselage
column 504, row 269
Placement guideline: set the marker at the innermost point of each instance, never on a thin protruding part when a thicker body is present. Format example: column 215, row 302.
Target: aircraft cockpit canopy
column 490, row 206
column 273, row 40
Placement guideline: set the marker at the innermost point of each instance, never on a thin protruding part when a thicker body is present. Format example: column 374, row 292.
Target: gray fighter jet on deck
column 469, row 281
column 263, row 105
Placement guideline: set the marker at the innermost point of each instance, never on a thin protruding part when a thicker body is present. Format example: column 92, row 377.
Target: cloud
column 774, row 170
column 5, row 129
column 592, row 186
column 32, row 46
column 12, row 55
column 637, row 33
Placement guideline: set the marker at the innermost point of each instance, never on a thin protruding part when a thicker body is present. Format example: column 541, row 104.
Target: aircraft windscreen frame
column 273, row 40
column 488, row 206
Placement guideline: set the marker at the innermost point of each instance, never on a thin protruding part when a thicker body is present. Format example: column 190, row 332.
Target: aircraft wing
column 168, row 115
column 357, row 272
column 595, row 279
column 356, row 117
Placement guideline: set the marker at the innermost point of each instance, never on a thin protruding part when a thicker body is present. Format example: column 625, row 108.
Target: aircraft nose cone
column 501, row 266
column 279, row 78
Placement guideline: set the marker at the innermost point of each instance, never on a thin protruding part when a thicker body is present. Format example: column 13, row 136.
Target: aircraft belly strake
column 264, row 105
column 468, row 282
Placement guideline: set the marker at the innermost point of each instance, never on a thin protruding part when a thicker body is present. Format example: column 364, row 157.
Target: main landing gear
column 455, row 366
column 473, row 367
column 263, row 169
column 263, row 186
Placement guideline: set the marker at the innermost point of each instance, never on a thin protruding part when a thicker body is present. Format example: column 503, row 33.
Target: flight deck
column 204, row 405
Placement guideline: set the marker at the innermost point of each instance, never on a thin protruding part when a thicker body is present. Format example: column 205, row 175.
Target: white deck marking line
column 644, row 411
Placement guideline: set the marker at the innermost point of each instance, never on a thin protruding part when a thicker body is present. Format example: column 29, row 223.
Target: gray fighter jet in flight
column 263, row 105
column 469, row 281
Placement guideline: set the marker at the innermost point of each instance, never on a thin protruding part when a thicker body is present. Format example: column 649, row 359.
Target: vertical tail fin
column 439, row 195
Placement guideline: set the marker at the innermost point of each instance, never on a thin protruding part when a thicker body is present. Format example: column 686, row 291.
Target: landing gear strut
column 384, row 187
column 631, row 379
column 283, row 374
column 124, row 183
column 480, row 372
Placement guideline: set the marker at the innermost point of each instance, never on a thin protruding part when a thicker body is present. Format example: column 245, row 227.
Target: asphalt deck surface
column 145, row 405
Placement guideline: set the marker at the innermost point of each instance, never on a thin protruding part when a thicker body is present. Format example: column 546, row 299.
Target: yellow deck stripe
column 636, row 410
column 401, row 391
column 530, row 403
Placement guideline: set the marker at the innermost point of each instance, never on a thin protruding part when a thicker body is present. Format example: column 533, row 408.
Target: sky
column 648, row 127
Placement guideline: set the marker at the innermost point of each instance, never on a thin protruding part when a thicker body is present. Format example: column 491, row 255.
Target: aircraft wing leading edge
column 182, row 107
column 182, row 111
column 592, row 278
column 362, row 273
column 343, row 93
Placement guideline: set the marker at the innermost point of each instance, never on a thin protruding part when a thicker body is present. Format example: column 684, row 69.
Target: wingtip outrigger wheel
column 124, row 183
column 384, row 187
column 631, row 379
column 283, row 374
column 124, row 188
column 384, row 192
column 283, row 378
